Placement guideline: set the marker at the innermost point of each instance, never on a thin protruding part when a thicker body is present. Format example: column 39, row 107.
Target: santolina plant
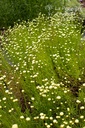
column 42, row 74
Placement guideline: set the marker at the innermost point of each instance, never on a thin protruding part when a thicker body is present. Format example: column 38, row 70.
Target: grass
column 42, row 74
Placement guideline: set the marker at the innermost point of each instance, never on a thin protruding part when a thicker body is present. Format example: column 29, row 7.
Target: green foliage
column 14, row 11
column 42, row 74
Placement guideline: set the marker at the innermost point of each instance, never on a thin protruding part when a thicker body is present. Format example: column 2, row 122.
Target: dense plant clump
column 15, row 11
column 42, row 74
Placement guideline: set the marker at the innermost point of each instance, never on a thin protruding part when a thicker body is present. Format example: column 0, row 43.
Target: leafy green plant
column 17, row 11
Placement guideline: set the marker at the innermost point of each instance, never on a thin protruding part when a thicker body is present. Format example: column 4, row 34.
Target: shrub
column 14, row 11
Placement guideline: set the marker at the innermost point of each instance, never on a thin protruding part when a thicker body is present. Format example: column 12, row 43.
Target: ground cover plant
column 43, row 74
